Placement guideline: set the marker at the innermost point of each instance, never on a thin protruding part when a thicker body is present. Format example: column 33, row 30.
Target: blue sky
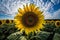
column 50, row 8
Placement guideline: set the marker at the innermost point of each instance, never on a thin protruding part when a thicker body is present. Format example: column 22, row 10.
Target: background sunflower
column 30, row 19
column 57, row 23
column 8, row 22
column 0, row 22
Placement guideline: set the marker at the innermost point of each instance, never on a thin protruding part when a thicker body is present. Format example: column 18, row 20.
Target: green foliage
column 20, row 36
column 9, row 32
column 6, row 30
column 56, row 37
column 39, row 36
column 16, row 36
column 58, row 30
column 49, row 27
column 43, row 35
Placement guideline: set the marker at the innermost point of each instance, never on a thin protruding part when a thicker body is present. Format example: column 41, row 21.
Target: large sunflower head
column 30, row 19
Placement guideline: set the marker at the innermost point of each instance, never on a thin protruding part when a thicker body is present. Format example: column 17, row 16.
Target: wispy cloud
column 10, row 7
column 47, row 15
column 55, row 1
column 56, row 14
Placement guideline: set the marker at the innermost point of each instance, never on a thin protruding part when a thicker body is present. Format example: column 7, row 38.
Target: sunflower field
column 29, row 24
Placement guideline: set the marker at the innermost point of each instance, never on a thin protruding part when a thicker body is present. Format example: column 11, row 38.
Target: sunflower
column 30, row 19
column 12, row 21
column 52, row 22
column 7, row 21
column 57, row 23
column 0, row 22
column 47, row 22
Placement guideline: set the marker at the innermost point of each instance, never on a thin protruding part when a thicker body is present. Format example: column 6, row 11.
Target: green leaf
column 56, row 36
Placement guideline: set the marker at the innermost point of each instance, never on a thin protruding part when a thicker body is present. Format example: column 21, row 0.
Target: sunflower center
column 7, row 21
column 58, row 23
column 0, row 22
column 12, row 21
column 29, row 19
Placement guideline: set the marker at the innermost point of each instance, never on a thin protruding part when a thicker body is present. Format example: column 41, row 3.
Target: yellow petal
column 21, row 11
column 36, row 9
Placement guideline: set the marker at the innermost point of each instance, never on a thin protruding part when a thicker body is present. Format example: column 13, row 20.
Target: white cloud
column 55, row 1
column 48, row 6
column 47, row 15
column 44, row 6
column 13, row 7
column 56, row 14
